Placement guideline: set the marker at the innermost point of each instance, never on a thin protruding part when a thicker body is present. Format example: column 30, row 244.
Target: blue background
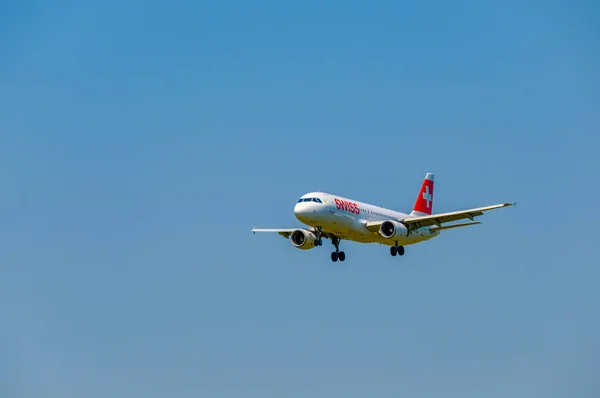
column 140, row 143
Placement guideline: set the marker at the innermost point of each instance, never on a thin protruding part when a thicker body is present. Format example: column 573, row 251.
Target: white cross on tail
column 427, row 196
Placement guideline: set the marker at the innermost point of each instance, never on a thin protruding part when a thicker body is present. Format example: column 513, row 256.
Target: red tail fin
column 424, row 203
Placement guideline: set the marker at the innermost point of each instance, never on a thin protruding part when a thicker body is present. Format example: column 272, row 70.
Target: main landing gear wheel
column 399, row 250
column 337, row 254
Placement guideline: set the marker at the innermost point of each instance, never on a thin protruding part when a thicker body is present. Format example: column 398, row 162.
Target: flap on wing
column 439, row 219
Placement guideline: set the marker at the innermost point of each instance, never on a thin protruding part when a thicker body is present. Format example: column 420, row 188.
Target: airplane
column 338, row 218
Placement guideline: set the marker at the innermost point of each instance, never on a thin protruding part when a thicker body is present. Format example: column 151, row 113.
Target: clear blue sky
column 141, row 143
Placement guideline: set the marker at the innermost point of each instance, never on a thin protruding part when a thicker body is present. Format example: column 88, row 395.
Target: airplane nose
column 302, row 211
column 299, row 210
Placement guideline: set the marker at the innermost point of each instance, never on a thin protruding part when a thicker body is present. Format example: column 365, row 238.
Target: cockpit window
column 316, row 200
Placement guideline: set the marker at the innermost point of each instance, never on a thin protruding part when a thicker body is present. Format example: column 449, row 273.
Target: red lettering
column 347, row 206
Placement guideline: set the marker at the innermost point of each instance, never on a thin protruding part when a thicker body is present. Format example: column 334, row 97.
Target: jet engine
column 303, row 239
column 392, row 229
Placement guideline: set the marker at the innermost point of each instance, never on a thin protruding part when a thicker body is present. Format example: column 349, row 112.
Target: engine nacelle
column 303, row 239
column 393, row 229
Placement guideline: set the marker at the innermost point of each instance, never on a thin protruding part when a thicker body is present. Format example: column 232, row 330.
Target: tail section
column 424, row 203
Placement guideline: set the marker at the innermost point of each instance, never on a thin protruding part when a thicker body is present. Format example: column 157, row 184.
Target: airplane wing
column 286, row 232
column 439, row 219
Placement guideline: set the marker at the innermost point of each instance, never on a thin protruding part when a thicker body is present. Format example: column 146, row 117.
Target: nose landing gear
column 319, row 241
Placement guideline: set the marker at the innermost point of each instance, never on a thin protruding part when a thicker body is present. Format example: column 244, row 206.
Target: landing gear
column 399, row 250
column 319, row 241
column 337, row 254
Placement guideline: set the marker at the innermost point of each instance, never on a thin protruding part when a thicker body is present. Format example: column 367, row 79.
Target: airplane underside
column 337, row 234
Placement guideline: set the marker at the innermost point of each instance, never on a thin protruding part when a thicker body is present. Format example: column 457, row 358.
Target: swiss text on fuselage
column 350, row 207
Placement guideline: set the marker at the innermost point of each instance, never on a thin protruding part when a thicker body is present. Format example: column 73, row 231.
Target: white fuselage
column 347, row 219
